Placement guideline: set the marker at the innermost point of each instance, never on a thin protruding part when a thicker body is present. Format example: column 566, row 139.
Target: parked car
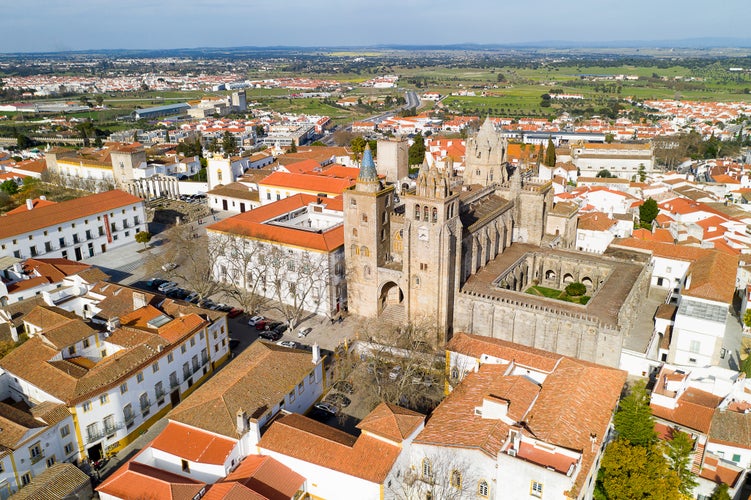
column 234, row 312
column 271, row 325
column 223, row 307
column 425, row 380
column 280, row 329
column 303, row 332
column 261, row 325
column 270, row 335
column 343, row 386
column 395, row 372
column 326, row 408
column 337, row 399
column 178, row 293
column 255, row 320
column 287, row 343
column 169, row 266
column 167, row 286
column 193, row 297
column 155, row 282
column 206, row 303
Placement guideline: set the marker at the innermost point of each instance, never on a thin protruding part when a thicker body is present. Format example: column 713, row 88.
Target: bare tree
column 298, row 282
column 403, row 364
column 195, row 258
column 242, row 269
column 437, row 474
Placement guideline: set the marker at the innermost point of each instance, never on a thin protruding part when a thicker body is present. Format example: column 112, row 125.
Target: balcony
column 174, row 384
column 129, row 419
column 36, row 458
column 96, row 435
column 160, row 394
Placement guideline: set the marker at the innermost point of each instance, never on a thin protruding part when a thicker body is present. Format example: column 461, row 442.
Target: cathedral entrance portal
column 391, row 301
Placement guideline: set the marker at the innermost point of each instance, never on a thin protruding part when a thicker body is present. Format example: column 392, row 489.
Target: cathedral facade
column 441, row 254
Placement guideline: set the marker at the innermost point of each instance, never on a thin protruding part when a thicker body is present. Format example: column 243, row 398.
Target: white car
column 169, row 266
column 166, row 287
column 303, row 332
column 395, row 372
column 255, row 319
column 287, row 343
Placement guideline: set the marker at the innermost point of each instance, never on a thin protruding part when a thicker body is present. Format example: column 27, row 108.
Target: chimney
column 139, row 300
column 29, row 204
column 316, row 353
column 242, row 422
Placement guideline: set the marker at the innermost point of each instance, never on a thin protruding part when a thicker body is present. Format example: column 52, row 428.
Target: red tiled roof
column 306, row 182
column 252, row 224
column 366, row 457
column 136, row 480
column 267, row 476
column 58, row 213
column 694, row 410
column 193, row 444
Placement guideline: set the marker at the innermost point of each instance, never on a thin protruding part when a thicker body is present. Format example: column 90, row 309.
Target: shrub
column 576, row 289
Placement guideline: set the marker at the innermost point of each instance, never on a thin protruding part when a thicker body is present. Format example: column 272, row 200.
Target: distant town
column 336, row 275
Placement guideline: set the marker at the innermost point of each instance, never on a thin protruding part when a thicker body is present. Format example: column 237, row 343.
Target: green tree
column 143, row 237
column 292, row 148
column 747, row 317
column 642, row 172
column 648, row 212
column 576, row 289
column 679, row 451
column 631, row 472
column 357, row 145
column 605, row 174
column 99, row 99
column 213, row 146
column 633, row 421
column 721, row 492
column 229, row 144
column 9, row 187
column 417, row 150
column 550, row 154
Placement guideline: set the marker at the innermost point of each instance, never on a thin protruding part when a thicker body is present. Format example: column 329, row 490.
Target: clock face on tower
column 422, row 233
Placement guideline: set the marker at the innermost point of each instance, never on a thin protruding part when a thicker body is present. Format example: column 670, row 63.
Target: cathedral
column 463, row 252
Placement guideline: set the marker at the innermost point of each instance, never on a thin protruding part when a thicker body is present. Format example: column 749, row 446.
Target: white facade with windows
column 37, row 449
column 75, row 229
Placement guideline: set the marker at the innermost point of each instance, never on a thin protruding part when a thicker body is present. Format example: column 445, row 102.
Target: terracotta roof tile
column 136, row 480
column 694, row 410
column 391, row 421
column 192, row 444
column 366, row 457
column 50, row 215
column 267, row 476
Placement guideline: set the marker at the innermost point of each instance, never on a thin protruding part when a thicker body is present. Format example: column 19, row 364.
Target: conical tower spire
column 368, row 171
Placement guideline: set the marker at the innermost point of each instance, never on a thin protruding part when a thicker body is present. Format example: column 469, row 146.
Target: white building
column 74, row 229
column 519, row 423
column 291, row 251
column 621, row 160
column 117, row 358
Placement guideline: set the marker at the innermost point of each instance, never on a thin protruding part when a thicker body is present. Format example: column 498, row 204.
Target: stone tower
column 125, row 159
column 432, row 249
column 367, row 227
column 393, row 159
column 485, row 157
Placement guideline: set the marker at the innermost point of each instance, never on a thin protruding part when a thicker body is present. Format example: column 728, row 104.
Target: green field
column 552, row 293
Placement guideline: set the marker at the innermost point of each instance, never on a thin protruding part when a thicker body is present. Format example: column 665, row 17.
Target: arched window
column 482, row 488
column 219, row 175
column 365, row 251
column 427, row 469
column 354, row 250
column 354, row 232
column 435, row 214
column 456, row 479
column 425, row 214
column 417, row 212
column 455, row 373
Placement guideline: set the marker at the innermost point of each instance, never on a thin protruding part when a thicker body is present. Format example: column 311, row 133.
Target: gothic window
column 364, row 218
column 365, row 251
column 417, row 212
column 426, row 213
column 456, row 479
column 435, row 214
column 354, row 232
column 482, row 489
column 354, row 250
column 427, row 469
column 219, row 175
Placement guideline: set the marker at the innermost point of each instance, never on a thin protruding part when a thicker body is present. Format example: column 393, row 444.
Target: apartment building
column 74, row 229
column 117, row 358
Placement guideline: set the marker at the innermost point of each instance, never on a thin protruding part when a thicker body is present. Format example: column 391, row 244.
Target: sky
column 63, row 25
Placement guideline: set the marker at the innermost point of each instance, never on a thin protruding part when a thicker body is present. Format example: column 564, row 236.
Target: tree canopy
column 9, row 186
column 550, row 154
column 417, row 150
column 648, row 211
column 633, row 421
column 637, row 472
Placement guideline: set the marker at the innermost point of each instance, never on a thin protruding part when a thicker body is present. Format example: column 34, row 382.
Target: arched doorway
column 391, row 295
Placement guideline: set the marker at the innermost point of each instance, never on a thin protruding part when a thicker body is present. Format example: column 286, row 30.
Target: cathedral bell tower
column 367, row 242
column 432, row 248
